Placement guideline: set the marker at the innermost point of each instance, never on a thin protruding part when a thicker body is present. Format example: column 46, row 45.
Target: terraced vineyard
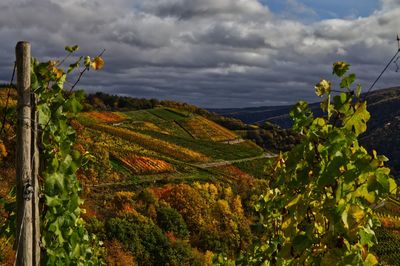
column 202, row 128
column 152, row 144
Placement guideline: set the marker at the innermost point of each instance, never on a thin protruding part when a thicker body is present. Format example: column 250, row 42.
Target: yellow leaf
column 371, row 260
column 356, row 213
column 98, row 63
column 358, row 121
column 323, row 87
column 59, row 72
column 3, row 151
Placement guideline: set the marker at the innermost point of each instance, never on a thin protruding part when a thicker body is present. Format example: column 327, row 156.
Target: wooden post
column 35, row 183
column 24, row 230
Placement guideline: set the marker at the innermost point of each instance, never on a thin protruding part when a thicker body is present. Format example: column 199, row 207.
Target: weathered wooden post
column 35, row 182
column 24, row 243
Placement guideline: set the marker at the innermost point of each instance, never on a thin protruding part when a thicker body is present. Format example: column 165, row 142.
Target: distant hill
column 383, row 128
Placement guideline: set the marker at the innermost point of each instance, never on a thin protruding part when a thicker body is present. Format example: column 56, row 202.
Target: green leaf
column 71, row 49
column 341, row 102
column 340, row 68
column 73, row 105
column 367, row 237
column 301, row 243
column 44, row 114
column 347, row 81
column 86, row 61
column 301, row 115
column 53, row 201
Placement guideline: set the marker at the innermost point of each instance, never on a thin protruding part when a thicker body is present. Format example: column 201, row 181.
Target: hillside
column 162, row 185
column 167, row 186
column 383, row 128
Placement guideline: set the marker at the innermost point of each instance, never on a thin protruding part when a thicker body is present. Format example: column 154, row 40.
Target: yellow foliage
column 3, row 151
column 97, row 63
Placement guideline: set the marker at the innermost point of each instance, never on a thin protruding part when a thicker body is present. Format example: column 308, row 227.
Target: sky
column 211, row 53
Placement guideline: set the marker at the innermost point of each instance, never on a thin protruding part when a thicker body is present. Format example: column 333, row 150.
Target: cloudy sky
column 212, row 53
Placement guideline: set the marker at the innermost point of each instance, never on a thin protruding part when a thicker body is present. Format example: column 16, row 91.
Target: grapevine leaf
column 322, row 88
column 367, row 237
column 301, row 115
column 53, row 201
column 392, row 186
column 358, row 90
column 86, row 61
column 98, row 63
column 347, row 81
column 358, row 121
column 44, row 114
column 301, row 243
column 340, row 68
column 371, row 260
column 71, row 49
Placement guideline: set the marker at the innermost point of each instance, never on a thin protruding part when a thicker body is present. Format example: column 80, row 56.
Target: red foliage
column 170, row 236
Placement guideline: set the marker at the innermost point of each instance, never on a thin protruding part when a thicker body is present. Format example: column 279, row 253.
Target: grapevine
column 64, row 237
column 317, row 210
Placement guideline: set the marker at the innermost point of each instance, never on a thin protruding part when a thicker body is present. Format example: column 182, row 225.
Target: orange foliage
column 76, row 125
column 390, row 222
column 244, row 181
column 12, row 100
column 128, row 208
column 7, row 253
column 108, row 117
column 7, row 179
column 146, row 165
column 117, row 255
column 89, row 209
column 160, row 192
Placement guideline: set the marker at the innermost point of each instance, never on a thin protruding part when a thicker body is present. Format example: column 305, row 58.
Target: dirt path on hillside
column 233, row 141
column 223, row 163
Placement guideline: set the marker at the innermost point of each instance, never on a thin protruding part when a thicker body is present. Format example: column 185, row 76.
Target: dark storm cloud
column 188, row 9
column 213, row 53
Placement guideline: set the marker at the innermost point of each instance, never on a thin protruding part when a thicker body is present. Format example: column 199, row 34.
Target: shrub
column 169, row 219
column 147, row 242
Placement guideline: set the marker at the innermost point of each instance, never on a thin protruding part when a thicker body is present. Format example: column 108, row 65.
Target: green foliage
column 64, row 237
column 317, row 210
column 147, row 242
column 169, row 220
